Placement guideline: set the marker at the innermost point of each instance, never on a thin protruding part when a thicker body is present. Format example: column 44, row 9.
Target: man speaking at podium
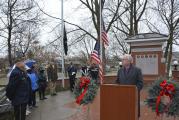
column 130, row 75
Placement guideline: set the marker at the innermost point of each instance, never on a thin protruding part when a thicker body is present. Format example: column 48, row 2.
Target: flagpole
column 62, row 44
column 101, row 42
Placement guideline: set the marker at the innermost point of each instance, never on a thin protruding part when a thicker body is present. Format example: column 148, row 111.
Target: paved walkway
column 54, row 108
column 63, row 107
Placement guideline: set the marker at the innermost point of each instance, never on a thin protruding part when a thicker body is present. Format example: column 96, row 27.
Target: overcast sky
column 72, row 13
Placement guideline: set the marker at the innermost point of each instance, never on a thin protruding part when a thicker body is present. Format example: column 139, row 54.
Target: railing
column 5, row 105
column 2, row 95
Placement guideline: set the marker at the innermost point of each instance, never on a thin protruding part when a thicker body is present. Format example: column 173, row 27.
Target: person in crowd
column 130, row 75
column 83, row 70
column 10, row 70
column 72, row 71
column 42, row 82
column 18, row 90
column 52, row 77
column 29, row 105
column 34, row 83
column 93, row 72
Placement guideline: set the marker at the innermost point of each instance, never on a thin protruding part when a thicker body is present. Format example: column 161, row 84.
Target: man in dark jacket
column 72, row 75
column 130, row 75
column 18, row 90
column 84, row 70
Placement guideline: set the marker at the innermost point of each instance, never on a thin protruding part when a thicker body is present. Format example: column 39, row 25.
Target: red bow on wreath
column 167, row 90
column 84, row 81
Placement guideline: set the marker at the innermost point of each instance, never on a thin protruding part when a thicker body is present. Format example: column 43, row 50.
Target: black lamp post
column 120, row 64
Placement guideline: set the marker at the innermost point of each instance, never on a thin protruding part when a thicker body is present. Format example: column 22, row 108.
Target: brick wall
column 112, row 80
column 175, row 75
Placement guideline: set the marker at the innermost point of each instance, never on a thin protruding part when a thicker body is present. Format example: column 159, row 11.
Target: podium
column 118, row 102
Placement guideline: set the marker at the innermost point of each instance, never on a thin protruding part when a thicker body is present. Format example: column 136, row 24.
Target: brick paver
column 146, row 113
column 63, row 107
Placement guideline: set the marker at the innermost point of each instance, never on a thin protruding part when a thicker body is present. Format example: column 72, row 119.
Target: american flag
column 104, row 36
column 95, row 56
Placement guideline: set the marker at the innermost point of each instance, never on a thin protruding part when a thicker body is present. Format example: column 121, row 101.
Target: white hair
column 10, row 71
column 128, row 57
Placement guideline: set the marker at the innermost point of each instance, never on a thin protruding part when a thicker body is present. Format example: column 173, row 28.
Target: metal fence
column 5, row 106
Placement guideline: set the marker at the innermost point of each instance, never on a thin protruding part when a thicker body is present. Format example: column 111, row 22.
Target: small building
column 147, row 51
column 175, row 57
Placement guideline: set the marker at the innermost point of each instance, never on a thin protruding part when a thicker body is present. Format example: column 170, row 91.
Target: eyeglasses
column 125, row 59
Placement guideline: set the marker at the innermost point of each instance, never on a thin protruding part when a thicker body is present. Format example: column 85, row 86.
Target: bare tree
column 81, row 33
column 109, row 15
column 127, row 14
column 128, row 23
column 116, row 16
column 120, row 39
column 26, row 35
column 94, row 8
column 14, row 14
column 168, row 11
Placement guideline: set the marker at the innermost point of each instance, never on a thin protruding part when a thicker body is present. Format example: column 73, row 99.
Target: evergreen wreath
column 163, row 98
column 85, row 90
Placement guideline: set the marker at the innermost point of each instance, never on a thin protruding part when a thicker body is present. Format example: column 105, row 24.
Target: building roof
column 175, row 55
column 147, row 37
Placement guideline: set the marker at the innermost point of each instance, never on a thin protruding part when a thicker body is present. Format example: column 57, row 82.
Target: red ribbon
column 167, row 90
column 84, row 81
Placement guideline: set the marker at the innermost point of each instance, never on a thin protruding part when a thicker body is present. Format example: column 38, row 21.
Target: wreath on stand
column 85, row 90
column 164, row 98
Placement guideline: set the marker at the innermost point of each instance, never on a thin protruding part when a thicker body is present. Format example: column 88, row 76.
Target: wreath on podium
column 85, row 90
column 163, row 98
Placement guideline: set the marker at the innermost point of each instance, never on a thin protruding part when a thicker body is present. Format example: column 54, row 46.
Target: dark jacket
column 132, row 77
column 71, row 70
column 18, row 89
column 42, row 82
column 52, row 73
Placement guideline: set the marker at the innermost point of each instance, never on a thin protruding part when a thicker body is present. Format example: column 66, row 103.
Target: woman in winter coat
column 34, row 79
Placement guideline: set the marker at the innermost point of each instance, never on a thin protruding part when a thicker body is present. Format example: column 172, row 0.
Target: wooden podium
column 118, row 102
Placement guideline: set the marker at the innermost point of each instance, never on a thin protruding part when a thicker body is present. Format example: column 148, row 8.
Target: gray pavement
column 54, row 108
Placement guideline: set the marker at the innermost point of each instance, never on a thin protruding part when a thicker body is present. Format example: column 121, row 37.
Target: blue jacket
column 34, row 80
column 18, row 88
